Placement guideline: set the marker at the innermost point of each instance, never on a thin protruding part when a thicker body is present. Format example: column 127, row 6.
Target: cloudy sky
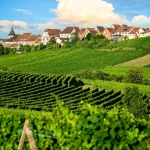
column 37, row 15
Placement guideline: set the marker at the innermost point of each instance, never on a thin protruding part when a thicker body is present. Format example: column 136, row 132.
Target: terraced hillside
column 66, row 61
column 42, row 92
column 139, row 62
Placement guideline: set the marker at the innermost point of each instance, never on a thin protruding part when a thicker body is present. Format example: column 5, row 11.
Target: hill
column 141, row 43
column 139, row 62
column 66, row 61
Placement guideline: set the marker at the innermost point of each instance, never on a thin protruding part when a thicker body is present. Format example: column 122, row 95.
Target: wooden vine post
column 28, row 132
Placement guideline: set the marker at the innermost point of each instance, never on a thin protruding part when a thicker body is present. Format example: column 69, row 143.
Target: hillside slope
column 63, row 61
column 139, row 62
column 141, row 43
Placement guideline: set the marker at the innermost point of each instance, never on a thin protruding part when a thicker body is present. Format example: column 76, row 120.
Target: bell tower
column 12, row 33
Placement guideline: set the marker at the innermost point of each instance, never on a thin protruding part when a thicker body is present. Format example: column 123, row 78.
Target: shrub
column 134, row 76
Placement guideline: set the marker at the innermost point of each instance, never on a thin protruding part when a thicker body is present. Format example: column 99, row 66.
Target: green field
column 141, row 43
column 66, row 61
column 121, row 70
column 108, row 85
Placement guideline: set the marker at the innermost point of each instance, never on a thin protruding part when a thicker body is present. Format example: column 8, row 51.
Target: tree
column 1, row 49
column 134, row 76
column 134, row 102
column 88, row 36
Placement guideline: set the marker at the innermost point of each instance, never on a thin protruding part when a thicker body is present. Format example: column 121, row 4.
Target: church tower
column 12, row 33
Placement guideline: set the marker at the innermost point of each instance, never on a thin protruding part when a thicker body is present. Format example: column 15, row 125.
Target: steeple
column 12, row 33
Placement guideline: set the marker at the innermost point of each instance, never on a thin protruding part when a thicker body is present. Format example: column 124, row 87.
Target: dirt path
column 139, row 62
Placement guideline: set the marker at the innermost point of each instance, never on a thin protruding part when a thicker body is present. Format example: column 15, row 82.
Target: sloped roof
column 23, row 37
column 100, row 28
column 110, row 29
column 33, row 38
column 82, row 30
column 12, row 32
column 134, row 30
column 90, row 29
column 69, row 30
column 116, row 26
column 53, row 31
column 125, row 29
column 93, row 32
column 4, row 40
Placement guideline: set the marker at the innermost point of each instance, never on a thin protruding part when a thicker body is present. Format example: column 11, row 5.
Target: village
column 115, row 33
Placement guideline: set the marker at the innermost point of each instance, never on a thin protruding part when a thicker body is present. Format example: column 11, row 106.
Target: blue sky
column 36, row 15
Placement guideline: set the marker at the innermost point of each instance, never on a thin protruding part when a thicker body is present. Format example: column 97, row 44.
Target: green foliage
column 36, row 92
column 135, row 103
column 97, row 75
column 134, row 76
column 88, row 128
column 140, row 43
column 66, row 61
column 6, row 50
column 88, row 36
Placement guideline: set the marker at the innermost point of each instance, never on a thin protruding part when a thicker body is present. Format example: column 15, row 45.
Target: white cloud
column 52, row 25
column 141, row 21
column 6, row 25
column 24, row 11
column 87, row 12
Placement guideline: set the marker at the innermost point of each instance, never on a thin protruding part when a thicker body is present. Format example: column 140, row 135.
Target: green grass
column 121, row 70
column 63, row 61
column 134, row 43
column 108, row 85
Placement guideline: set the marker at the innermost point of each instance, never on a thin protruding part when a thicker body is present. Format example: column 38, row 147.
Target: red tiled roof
column 69, row 30
column 33, row 38
column 125, row 29
column 116, row 26
column 90, row 29
column 53, row 31
column 134, row 30
column 110, row 29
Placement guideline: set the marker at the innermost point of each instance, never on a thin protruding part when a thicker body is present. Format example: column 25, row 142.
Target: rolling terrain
column 66, row 61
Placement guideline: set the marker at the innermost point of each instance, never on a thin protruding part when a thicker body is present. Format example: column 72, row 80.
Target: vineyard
column 43, row 92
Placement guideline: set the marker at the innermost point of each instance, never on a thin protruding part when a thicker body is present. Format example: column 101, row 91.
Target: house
column 60, row 41
column 135, row 33
column 108, row 32
column 145, row 33
column 69, row 32
column 99, row 29
column 85, row 33
column 48, row 34
column 124, row 30
column 115, row 26
column 34, row 40
column 28, row 39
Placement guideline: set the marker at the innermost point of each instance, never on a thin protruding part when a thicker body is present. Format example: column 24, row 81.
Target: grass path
column 139, row 62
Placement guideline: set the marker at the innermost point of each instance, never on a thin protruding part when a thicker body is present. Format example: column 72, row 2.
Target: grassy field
column 139, row 62
column 140, row 43
column 108, row 85
column 65, row 61
column 121, row 70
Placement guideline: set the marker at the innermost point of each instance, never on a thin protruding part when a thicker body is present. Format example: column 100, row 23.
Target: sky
column 37, row 15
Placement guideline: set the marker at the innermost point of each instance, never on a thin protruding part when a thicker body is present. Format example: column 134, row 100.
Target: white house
column 135, row 33
column 69, row 32
column 48, row 34
column 145, row 33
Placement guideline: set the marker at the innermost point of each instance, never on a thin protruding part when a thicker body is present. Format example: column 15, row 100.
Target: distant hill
column 140, row 43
